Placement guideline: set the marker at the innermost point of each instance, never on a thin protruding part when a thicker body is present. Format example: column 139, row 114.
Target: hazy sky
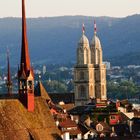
column 37, row 8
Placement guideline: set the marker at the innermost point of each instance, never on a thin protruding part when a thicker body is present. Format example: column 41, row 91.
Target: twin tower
column 89, row 71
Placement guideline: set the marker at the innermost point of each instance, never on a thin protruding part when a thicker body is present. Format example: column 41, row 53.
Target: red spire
column 25, row 59
column 25, row 74
column 9, row 82
column 83, row 28
column 95, row 27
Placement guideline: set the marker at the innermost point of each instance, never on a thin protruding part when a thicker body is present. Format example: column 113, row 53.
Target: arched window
column 86, row 56
column 96, row 56
column 82, row 91
column 80, row 55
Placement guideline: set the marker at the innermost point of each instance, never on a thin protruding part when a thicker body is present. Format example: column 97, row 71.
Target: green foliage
column 122, row 90
column 55, row 86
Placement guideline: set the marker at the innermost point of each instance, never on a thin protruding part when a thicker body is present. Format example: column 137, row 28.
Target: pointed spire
column 95, row 28
column 83, row 28
column 25, row 73
column 9, row 82
column 24, row 51
column 8, row 66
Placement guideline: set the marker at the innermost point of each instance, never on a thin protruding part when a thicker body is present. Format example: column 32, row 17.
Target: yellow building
column 89, row 71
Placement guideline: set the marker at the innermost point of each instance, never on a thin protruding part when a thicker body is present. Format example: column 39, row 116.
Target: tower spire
column 83, row 28
column 95, row 28
column 25, row 59
column 25, row 73
column 9, row 82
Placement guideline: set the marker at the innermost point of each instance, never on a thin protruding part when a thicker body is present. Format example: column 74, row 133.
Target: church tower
column 83, row 72
column 100, row 68
column 25, row 72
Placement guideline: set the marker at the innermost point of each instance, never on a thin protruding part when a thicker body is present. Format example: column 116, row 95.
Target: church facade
column 89, row 71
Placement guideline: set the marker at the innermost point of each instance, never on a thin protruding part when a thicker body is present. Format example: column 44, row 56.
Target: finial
column 83, row 28
column 95, row 27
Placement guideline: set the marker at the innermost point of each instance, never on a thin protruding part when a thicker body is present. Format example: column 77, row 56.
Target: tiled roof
column 73, row 132
column 41, row 91
column 68, row 123
column 16, row 123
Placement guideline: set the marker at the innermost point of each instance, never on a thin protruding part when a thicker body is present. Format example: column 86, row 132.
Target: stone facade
column 89, row 72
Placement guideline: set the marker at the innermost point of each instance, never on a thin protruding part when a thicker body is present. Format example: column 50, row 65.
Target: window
column 30, row 84
column 97, row 56
column 82, row 91
column 86, row 56
column 113, row 117
column 23, row 83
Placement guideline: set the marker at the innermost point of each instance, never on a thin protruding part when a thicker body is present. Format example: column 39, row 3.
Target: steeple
column 96, row 49
column 83, row 39
column 83, row 28
column 25, row 73
column 83, row 50
column 83, row 72
column 9, row 82
column 25, row 59
column 95, row 28
column 100, row 68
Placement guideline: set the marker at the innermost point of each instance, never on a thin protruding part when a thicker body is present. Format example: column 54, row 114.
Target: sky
column 49, row 8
